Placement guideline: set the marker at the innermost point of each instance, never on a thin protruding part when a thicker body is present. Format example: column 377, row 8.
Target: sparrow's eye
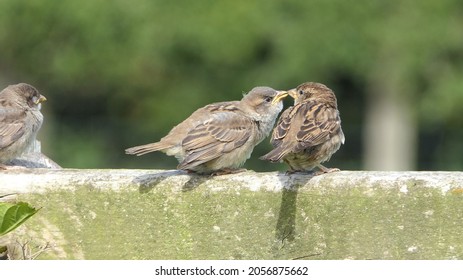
column 301, row 92
column 268, row 99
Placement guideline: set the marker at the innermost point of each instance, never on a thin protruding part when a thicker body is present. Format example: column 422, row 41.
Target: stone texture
column 158, row 214
column 33, row 158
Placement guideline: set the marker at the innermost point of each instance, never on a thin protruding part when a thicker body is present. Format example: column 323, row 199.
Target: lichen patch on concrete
column 146, row 214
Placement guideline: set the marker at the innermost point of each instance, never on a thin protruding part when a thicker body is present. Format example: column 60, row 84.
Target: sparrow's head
column 23, row 95
column 313, row 91
column 265, row 100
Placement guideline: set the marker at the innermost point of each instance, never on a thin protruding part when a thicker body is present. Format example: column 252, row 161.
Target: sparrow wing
column 223, row 132
column 181, row 131
column 281, row 129
column 319, row 123
column 12, row 126
column 282, row 141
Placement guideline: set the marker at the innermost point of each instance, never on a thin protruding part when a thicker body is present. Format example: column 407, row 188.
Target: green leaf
column 13, row 215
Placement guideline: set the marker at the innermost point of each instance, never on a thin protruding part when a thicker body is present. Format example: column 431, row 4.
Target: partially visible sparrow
column 309, row 132
column 20, row 120
column 220, row 137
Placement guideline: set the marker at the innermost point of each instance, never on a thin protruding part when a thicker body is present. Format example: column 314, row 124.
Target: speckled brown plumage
column 221, row 136
column 20, row 120
column 309, row 132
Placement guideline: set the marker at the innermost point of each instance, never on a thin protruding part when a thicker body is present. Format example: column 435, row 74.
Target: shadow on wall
column 285, row 231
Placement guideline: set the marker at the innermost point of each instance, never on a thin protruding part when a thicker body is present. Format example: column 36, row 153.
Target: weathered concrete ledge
column 158, row 214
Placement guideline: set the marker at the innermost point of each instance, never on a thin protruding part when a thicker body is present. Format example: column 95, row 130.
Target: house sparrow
column 220, row 137
column 309, row 132
column 20, row 120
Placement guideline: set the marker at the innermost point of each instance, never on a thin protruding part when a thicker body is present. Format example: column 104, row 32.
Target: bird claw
column 324, row 170
column 333, row 170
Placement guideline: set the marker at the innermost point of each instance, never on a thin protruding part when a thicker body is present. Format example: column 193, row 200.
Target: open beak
column 280, row 95
column 40, row 100
column 292, row 93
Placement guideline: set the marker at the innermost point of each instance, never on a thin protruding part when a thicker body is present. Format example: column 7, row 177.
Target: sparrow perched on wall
column 20, row 120
column 309, row 132
column 220, row 137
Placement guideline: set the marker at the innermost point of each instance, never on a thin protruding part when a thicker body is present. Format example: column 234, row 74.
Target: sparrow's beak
column 293, row 93
column 40, row 100
column 280, row 95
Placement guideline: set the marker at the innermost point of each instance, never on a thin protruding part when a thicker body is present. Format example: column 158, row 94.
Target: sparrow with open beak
column 309, row 132
column 20, row 120
column 220, row 137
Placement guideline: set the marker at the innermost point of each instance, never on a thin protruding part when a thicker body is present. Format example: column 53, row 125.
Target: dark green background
column 122, row 73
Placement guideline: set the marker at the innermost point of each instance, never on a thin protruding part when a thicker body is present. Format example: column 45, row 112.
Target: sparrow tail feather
column 148, row 148
column 275, row 155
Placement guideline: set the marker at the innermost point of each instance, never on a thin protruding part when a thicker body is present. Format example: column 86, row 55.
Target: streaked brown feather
column 220, row 135
column 308, row 132
column 20, row 119
column 225, row 132
column 319, row 124
column 11, row 126
column 148, row 148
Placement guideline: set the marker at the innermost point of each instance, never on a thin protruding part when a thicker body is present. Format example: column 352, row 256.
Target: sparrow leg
column 226, row 171
column 326, row 170
column 292, row 169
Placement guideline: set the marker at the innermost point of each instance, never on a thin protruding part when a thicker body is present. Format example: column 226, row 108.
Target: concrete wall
column 156, row 214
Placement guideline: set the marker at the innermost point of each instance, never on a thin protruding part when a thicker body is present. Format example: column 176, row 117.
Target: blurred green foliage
column 122, row 73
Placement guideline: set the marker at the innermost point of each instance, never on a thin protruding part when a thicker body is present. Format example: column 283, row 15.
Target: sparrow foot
column 324, row 170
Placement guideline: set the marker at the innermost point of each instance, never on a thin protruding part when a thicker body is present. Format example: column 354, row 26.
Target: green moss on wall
column 316, row 222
